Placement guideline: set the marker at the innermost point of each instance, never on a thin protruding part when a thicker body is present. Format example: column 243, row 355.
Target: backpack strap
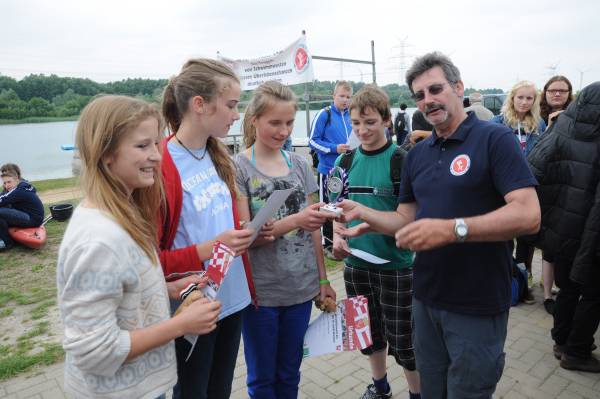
column 346, row 160
column 396, row 162
column 328, row 120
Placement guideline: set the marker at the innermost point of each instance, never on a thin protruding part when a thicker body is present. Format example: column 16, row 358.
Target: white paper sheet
column 368, row 257
column 324, row 334
column 275, row 201
column 353, row 141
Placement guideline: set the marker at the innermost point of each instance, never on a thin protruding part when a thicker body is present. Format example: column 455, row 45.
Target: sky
column 493, row 43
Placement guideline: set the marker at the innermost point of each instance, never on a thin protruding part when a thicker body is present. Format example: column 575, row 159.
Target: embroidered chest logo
column 460, row 165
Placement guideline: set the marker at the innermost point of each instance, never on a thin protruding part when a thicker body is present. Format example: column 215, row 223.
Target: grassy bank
column 38, row 119
column 29, row 320
column 53, row 184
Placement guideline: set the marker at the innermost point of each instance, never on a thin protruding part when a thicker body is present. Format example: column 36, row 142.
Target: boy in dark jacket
column 566, row 163
column 19, row 206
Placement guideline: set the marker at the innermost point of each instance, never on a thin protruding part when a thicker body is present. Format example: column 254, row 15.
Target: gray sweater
column 107, row 287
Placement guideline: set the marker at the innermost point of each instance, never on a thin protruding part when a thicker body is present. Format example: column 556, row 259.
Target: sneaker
column 590, row 364
column 558, row 351
column 549, row 304
column 529, row 299
column 372, row 393
column 529, row 280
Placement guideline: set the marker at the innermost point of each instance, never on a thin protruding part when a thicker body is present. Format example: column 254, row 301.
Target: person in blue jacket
column 19, row 206
column 521, row 113
column 331, row 129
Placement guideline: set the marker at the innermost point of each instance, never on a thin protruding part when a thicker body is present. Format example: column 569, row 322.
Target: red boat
column 32, row 237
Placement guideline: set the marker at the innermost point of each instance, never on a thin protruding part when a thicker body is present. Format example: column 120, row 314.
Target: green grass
column 38, row 119
column 41, row 310
column 18, row 360
column 28, row 289
column 331, row 264
column 52, row 184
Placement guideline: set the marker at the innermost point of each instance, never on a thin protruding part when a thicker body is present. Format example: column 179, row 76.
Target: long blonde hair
column 264, row 96
column 102, row 125
column 532, row 119
column 205, row 78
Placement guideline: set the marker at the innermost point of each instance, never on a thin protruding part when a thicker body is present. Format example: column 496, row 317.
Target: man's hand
column 342, row 148
column 354, row 231
column 352, row 211
column 425, row 234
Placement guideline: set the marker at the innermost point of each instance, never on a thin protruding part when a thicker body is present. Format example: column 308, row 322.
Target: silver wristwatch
column 460, row 230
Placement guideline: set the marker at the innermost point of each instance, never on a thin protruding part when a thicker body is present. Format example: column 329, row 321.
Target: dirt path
column 60, row 195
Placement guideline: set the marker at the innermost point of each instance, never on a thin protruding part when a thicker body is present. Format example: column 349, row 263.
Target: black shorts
column 389, row 295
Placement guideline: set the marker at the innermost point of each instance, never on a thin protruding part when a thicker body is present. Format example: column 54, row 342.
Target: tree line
column 64, row 97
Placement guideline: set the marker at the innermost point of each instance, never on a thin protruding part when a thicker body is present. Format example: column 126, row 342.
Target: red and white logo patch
column 460, row 165
column 300, row 59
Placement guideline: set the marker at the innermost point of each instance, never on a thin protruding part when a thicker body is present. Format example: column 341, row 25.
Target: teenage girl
column 112, row 295
column 289, row 271
column 200, row 105
column 521, row 112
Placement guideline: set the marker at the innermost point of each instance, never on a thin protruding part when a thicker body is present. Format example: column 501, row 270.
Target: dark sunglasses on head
column 434, row 89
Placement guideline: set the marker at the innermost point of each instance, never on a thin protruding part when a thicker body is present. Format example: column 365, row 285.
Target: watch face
column 461, row 230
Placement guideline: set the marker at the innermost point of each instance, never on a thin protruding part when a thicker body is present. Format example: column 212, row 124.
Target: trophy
column 337, row 189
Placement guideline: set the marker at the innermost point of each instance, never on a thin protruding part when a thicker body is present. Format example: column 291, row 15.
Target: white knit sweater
column 107, row 287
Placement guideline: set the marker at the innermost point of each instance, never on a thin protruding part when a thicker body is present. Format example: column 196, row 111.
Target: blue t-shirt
column 206, row 212
column 466, row 175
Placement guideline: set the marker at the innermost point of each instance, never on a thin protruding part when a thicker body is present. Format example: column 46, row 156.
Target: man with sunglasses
column 465, row 191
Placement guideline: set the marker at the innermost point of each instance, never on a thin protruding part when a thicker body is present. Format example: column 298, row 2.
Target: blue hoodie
column 325, row 139
column 24, row 198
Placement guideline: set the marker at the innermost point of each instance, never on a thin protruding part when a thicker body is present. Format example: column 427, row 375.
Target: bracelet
column 324, row 281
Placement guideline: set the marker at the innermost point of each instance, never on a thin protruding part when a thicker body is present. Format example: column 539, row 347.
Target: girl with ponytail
column 289, row 271
column 200, row 105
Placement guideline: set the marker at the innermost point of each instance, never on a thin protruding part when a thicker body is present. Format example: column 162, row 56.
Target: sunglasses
column 434, row 89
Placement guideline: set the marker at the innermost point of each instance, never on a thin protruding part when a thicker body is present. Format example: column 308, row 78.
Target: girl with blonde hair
column 200, row 105
column 274, row 332
column 521, row 112
column 108, row 272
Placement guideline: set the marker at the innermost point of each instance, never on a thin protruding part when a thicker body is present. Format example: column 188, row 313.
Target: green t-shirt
column 371, row 169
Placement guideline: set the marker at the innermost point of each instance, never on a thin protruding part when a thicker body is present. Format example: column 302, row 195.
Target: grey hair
column 431, row 60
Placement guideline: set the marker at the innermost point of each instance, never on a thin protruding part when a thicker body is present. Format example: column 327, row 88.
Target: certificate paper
column 368, row 257
column 275, row 201
column 347, row 329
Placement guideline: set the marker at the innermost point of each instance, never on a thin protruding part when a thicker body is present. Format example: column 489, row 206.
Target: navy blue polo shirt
column 467, row 174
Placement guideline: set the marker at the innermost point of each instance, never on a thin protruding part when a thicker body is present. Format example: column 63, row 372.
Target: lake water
column 35, row 147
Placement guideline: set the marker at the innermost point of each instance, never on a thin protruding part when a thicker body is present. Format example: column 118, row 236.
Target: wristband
column 324, row 281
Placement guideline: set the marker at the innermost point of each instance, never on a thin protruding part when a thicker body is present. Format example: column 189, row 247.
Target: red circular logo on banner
column 300, row 59
column 460, row 165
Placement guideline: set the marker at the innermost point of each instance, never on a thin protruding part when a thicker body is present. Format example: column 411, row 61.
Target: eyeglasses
column 434, row 89
column 557, row 92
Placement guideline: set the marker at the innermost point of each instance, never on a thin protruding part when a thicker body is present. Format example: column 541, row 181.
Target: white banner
column 290, row 66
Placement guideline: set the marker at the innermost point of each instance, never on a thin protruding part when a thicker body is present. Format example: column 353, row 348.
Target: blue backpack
column 518, row 283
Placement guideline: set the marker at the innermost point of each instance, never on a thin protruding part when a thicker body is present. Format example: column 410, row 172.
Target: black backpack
column 400, row 123
column 313, row 153
column 396, row 162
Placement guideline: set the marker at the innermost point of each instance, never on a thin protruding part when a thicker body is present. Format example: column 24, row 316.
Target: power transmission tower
column 401, row 56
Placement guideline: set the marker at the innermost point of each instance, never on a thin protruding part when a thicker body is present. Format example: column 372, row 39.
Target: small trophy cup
column 337, row 188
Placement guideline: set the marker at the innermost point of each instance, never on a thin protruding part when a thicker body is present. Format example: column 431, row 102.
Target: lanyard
column 522, row 142
column 287, row 159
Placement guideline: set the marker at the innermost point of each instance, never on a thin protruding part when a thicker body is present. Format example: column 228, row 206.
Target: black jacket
column 566, row 163
column 24, row 198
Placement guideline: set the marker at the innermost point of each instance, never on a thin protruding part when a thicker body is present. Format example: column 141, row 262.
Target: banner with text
column 290, row 66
